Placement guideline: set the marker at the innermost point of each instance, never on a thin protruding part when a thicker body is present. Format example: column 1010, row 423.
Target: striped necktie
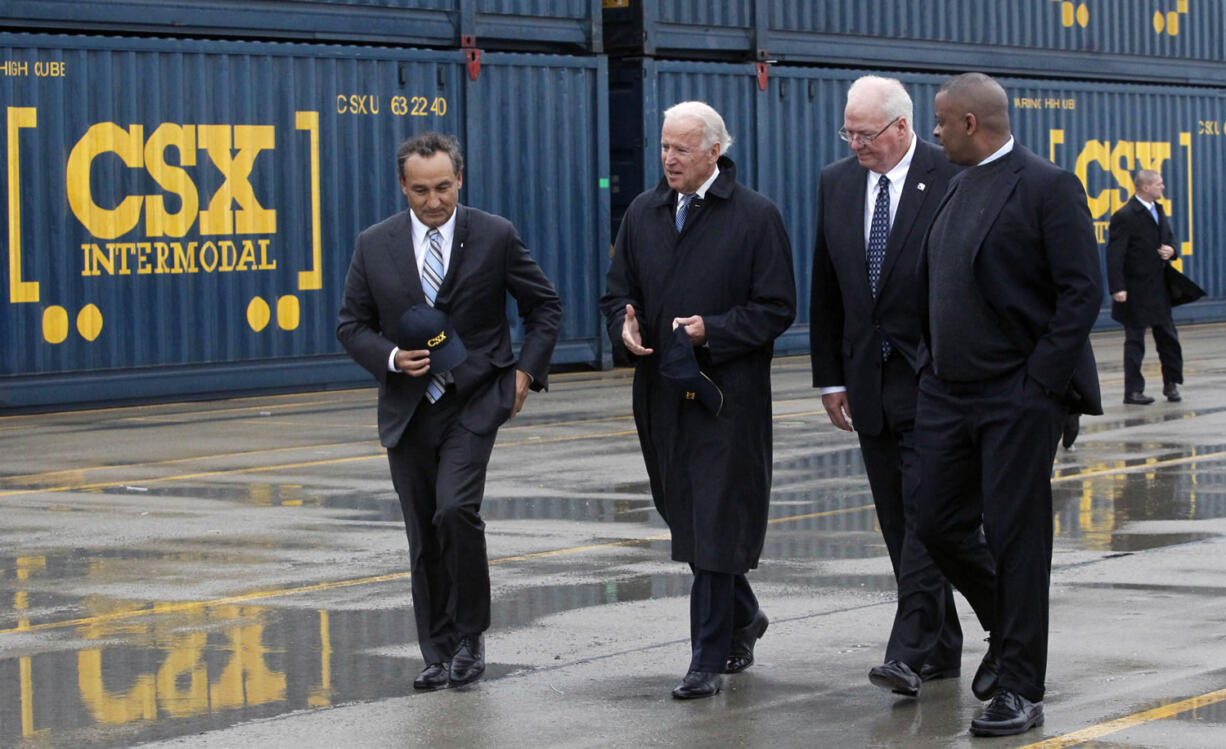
column 431, row 280
column 681, row 210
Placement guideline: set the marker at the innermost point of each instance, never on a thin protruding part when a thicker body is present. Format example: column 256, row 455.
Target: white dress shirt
column 421, row 246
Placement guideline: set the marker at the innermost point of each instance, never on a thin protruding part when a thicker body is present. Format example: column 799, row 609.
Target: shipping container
column 1172, row 41
column 785, row 129
column 524, row 25
column 181, row 214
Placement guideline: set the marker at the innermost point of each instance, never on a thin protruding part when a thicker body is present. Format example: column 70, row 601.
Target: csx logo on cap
column 424, row 327
column 436, row 340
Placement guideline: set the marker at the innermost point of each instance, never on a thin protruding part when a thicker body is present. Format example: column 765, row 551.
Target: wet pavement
column 234, row 573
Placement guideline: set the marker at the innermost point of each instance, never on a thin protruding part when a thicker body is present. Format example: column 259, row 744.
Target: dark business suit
column 1134, row 265
column 986, row 446
column 846, row 326
column 438, row 452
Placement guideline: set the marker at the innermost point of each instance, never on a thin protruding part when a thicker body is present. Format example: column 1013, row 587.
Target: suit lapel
column 914, row 192
column 402, row 258
column 459, row 240
column 1002, row 188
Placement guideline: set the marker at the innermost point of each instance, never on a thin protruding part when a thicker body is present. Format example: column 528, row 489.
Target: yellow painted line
column 1136, row 719
column 1142, row 467
column 177, row 607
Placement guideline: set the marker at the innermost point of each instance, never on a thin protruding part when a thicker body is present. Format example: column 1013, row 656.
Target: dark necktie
column 431, row 280
column 878, row 233
column 681, row 210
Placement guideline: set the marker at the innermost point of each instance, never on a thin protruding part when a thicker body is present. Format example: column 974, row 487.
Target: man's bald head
column 972, row 117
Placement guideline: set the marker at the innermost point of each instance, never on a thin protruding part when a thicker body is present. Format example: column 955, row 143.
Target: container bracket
column 763, row 73
column 472, row 55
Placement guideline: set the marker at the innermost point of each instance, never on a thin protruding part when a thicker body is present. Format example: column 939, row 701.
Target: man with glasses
column 873, row 210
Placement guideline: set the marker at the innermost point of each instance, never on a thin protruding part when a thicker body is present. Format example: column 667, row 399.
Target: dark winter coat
column 1134, row 265
column 732, row 264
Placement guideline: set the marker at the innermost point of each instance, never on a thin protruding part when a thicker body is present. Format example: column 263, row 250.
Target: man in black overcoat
column 439, row 428
column 1140, row 244
column 863, row 334
column 706, row 253
column 1009, row 288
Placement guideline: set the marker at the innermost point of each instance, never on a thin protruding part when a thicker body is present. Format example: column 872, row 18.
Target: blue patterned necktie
column 878, row 233
column 681, row 210
column 431, row 280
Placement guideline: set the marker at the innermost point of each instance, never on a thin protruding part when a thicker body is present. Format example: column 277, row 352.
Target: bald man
column 1010, row 286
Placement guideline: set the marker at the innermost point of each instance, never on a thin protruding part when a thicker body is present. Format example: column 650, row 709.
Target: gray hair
column 713, row 130
column 1145, row 177
column 895, row 101
column 426, row 145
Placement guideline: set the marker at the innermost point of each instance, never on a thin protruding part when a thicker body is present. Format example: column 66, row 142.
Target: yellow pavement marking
column 180, row 606
column 1136, row 719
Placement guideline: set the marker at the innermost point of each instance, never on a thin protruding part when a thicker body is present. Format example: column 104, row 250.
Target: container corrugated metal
column 181, row 214
column 786, row 133
column 1178, row 41
column 524, row 25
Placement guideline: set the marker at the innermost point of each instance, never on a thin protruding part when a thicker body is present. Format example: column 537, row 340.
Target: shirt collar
column 899, row 173
column 446, row 231
column 1148, row 206
column 701, row 192
column 1000, row 152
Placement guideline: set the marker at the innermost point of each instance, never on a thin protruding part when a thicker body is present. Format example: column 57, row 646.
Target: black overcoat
column 1134, row 265
column 732, row 264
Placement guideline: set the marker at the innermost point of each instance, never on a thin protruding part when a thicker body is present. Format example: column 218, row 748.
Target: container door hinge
column 472, row 55
column 763, row 74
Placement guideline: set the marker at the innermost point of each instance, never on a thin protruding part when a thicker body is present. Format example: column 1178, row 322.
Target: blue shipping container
column 525, row 25
column 181, row 214
column 1174, row 41
column 787, row 132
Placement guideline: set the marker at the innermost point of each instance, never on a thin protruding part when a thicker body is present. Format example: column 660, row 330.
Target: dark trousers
column 926, row 627
column 986, row 450
column 1170, row 355
column 720, row 603
column 438, row 469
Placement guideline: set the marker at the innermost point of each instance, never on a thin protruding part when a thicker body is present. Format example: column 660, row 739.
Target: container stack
column 185, row 180
column 1103, row 88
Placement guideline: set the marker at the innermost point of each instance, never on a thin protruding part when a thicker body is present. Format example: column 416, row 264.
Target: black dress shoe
column 1007, row 714
column 740, row 655
column 433, row 676
column 468, row 663
column 932, row 672
column 1137, row 399
column 983, row 686
column 897, row 677
column 698, row 684
column 1172, row 393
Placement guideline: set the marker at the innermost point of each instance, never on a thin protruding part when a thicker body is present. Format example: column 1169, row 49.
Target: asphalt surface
column 234, row 573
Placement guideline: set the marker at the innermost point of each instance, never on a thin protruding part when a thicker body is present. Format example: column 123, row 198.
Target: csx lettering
column 689, row 396
column 436, row 340
column 220, row 142
column 357, row 104
column 1119, row 160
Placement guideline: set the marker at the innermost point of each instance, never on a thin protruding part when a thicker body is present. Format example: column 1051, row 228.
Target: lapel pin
column 920, row 186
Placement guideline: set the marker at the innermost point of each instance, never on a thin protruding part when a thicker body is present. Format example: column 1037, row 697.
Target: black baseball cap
column 679, row 366
column 424, row 327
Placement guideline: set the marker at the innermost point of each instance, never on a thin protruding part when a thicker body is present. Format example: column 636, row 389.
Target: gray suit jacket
column 488, row 261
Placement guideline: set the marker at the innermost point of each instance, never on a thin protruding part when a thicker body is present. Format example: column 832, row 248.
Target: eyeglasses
column 866, row 139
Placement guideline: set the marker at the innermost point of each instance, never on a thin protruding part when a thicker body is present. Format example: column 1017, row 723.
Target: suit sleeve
column 539, row 308
column 358, row 328
column 825, row 308
column 1117, row 248
column 1072, row 256
column 771, row 306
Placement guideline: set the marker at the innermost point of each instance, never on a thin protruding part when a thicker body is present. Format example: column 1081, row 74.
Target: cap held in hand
column 679, row 366
column 423, row 327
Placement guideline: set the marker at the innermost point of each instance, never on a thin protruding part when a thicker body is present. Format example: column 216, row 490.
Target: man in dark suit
column 873, row 209
column 1009, row 289
column 439, row 429
column 703, row 253
column 1140, row 243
